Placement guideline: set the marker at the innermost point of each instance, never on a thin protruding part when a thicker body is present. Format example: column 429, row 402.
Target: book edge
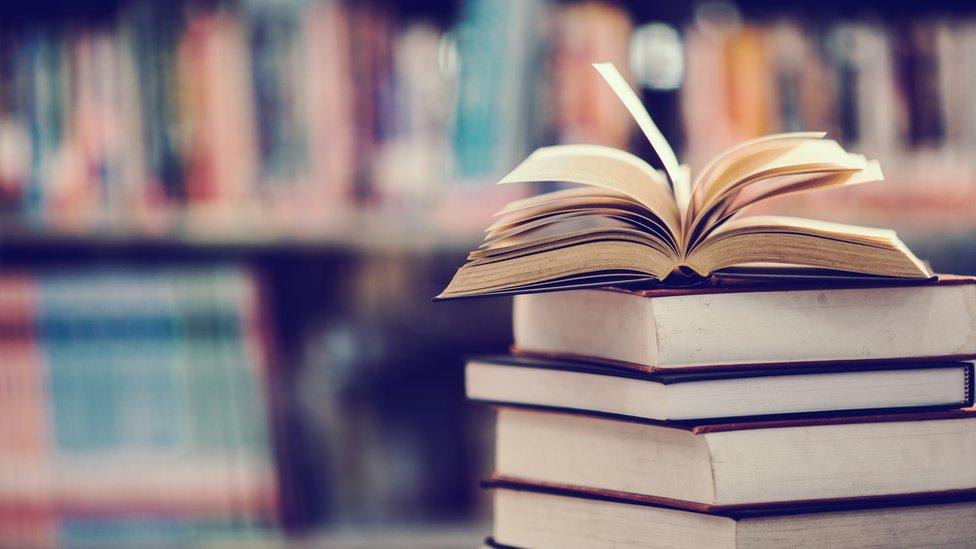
column 753, row 423
column 721, row 285
column 735, row 511
column 719, row 282
column 813, row 365
column 691, row 424
column 677, row 376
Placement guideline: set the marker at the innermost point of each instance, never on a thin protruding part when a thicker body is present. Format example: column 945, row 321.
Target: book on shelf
column 27, row 516
column 585, row 109
column 740, row 322
column 496, row 116
column 629, row 222
column 677, row 396
column 534, row 515
column 331, row 104
column 134, row 403
column 713, row 466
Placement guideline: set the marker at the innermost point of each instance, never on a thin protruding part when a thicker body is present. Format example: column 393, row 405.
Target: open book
column 631, row 222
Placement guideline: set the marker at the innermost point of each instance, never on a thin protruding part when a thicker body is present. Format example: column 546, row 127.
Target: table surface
column 450, row 536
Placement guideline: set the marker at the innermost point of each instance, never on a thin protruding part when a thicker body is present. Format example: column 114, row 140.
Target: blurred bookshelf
column 337, row 158
column 359, row 231
column 133, row 396
column 302, row 120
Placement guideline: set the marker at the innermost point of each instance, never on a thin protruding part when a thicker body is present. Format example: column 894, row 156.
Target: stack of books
column 736, row 415
column 738, row 381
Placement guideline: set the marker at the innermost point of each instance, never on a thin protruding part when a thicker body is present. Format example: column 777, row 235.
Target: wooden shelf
column 373, row 232
column 453, row 223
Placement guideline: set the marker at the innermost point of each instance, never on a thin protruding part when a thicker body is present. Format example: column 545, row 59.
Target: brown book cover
column 702, row 427
column 737, row 511
column 812, row 366
column 738, row 279
column 673, row 377
column 734, row 280
column 682, row 376
column 490, row 542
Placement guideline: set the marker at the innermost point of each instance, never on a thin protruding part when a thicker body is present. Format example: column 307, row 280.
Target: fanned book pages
column 629, row 222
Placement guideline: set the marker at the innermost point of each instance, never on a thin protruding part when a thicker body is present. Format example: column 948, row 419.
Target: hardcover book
column 711, row 466
column 732, row 325
column 533, row 515
column 679, row 396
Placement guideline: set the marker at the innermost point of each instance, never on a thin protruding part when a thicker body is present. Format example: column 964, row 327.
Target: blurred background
column 222, row 222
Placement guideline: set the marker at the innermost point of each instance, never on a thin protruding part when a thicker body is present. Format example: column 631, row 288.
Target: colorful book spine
column 499, row 44
column 26, row 510
column 134, row 404
column 290, row 118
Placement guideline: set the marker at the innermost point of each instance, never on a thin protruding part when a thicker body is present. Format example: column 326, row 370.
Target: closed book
column 750, row 323
column 712, row 465
column 539, row 516
column 684, row 395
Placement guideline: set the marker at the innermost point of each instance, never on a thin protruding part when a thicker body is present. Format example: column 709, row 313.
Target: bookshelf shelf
column 361, row 232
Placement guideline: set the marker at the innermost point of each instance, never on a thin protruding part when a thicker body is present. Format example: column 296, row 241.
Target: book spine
column 26, row 510
column 153, row 385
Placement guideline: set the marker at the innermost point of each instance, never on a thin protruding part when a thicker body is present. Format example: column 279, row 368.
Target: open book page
column 593, row 229
column 680, row 180
column 788, row 154
column 780, row 186
column 571, row 223
column 555, row 196
column 811, row 158
column 625, row 224
column 786, row 186
column 559, row 205
column 603, row 167
column 761, row 146
column 682, row 196
column 806, row 242
column 757, row 223
column 607, row 261
column 559, row 220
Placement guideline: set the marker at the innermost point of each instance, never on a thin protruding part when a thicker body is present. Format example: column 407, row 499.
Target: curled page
column 680, row 182
column 602, row 167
